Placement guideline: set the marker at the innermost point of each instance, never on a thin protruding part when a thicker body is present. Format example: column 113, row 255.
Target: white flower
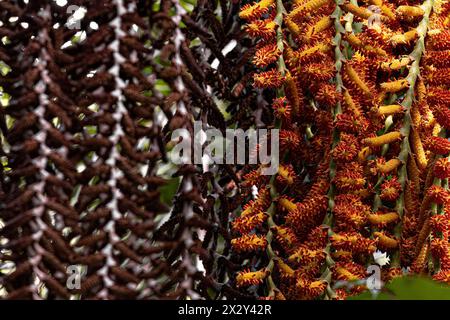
column 381, row 258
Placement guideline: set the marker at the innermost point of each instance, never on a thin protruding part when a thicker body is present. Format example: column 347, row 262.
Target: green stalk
column 407, row 102
column 273, row 192
column 328, row 221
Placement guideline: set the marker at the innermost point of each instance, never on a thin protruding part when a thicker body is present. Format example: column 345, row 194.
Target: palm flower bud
column 249, row 222
column 282, row 109
column 265, row 29
column 390, row 189
column 349, row 271
column 386, row 167
column 438, row 145
column 255, row 10
column 347, row 149
column 385, row 241
column 438, row 195
column 350, row 178
column 285, row 236
column 383, row 139
column 268, row 79
column 310, row 289
column 286, row 174
column 443, row 276
column 304, row 255
column 352, row 241
column 383, row 219
column 248, row 278
column 266, row 55
column 248, row 243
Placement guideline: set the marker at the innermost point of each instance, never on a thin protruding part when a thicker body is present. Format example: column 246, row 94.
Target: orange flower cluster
column 362, row 110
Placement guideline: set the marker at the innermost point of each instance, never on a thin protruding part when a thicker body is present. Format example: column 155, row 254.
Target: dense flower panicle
column 383, row 219
column 350, row 178
column 442, row 168
column 347, row 149
column 350, row 123
column 327, row 95
column 438, row 195
column 248, row 278
column 306, row 256
column 282, row 109
column 255, row 10
column 249, row 222
column 350, row 213
column 266, row 55
column 265, row 29
column 248, row 243
column 268, row 79
column 286, row 174
column 349, row 271
column 285, row 236
column 370, row 130
column 353, row 242
column 386, row 167
column 438, row 145
column 254, row 178
column 310, row 289
column 440, row 223
column 442, row 114
column 289, row 141
column 385, row 241
column 383, row 139
column 390, row 189
column 438, row 96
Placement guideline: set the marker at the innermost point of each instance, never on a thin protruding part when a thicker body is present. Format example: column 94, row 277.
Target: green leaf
column 168, row 190
column 409, row 288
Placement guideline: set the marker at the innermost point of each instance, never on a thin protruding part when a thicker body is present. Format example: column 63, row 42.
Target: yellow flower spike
column 323, row 24
column 384, row 9
column 383, row 218
column 351, row 104
column 287, row 174
column 418, row 149
column 247, row 278
column 389, row 166
column 357, row 80
column 394, row 86
column 383, row 139
column 395, row 64
column 285, row 270
column 344, row 273
column 415, row 115
column 291, row 91
column 284, row 236
column 385, row 241
column 404, row 38
column 248, row 243
column 410, row 11
column 421, row 259
column 364, row 153
column 288, row 205
column 436, row 130
column 254, row 11
column 308, row 6
column 414, row 174
column 390, row 109
column 292, row 26
column 341, row 254
column 321, row 47
column 357, row 11
column 353, row 40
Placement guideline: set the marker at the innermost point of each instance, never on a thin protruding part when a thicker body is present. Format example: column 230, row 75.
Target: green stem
column 414, row 73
